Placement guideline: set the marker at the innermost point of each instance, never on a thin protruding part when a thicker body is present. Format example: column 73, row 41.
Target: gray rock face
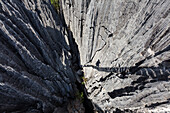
column 35, row 73
column 125, row 50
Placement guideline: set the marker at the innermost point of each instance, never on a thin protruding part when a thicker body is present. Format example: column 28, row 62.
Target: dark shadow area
column 47, row 45
column 164, row 50
column 154, row 72
column 120, row 70
column 123, row 111
column 157, row 104
column 89, row 107
column 97, row 109
column 122, row 92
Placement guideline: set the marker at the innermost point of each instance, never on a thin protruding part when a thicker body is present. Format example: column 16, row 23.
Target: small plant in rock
column 84, row 80
column 55, row 3
column 80, row 96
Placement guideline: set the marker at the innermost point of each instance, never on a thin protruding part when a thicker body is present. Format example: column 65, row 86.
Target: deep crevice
column 76, row 64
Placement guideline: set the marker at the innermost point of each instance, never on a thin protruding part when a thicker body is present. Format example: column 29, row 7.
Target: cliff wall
column 124, row 50
column 35, row 60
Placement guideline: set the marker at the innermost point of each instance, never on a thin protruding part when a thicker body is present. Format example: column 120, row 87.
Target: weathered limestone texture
column 124, row 49
column 35, row 73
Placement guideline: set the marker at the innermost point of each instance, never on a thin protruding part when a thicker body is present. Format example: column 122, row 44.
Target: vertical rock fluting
column 124, row 48
column 35, row 59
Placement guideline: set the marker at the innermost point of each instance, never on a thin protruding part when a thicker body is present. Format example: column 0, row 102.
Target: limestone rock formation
column 124, row 49
column 35, row 59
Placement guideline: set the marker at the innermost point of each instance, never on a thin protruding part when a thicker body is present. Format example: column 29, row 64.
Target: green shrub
column 84, row 80
column 55, row 3
column 80, row 96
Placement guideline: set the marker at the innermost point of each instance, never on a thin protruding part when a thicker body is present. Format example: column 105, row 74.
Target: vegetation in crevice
column 84, row 80
column 79, row 95
column 56, row 5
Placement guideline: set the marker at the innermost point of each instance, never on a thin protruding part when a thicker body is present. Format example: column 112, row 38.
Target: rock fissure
column 76, row 66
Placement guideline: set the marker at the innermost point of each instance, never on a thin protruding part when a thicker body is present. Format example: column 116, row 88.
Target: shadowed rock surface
column 35, row 60
column 124, row 50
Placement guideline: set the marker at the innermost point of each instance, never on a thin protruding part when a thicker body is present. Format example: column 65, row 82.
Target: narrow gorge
column 84, row 56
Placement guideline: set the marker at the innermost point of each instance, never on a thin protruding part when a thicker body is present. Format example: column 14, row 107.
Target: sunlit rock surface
column 124, row 49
